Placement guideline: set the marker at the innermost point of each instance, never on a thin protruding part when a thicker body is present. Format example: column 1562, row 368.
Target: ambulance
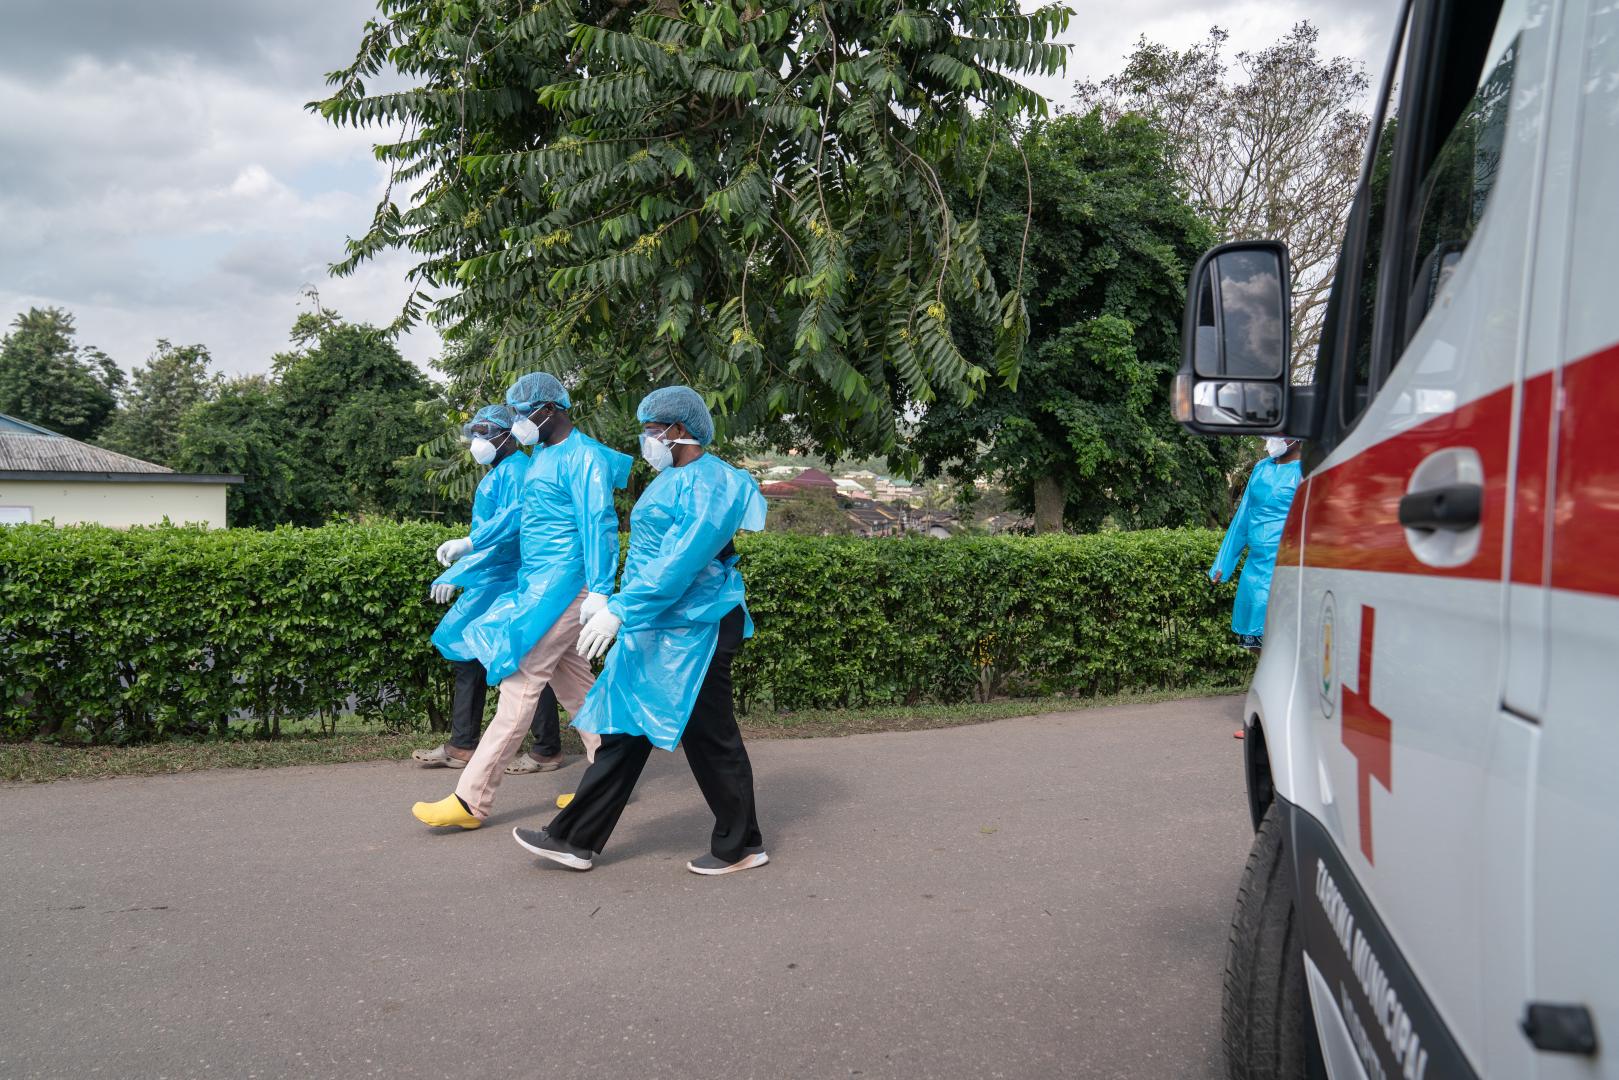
column 1432, row 734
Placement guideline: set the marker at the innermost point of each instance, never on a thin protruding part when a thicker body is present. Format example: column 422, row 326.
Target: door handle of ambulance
column 1451, row 507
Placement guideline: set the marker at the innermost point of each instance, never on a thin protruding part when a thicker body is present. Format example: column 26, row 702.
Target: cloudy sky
column 159, row 176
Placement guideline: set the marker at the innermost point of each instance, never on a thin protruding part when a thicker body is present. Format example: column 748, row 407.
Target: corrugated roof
column 27, row 452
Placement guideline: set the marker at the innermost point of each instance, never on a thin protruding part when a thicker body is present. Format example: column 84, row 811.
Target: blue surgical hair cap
column 535, row 389
column 678, row 405
column 500, row 416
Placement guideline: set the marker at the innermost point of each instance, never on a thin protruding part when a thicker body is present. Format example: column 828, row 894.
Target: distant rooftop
column 11, row 423
column 30, row 452
column 27, row 452
column 813, row 478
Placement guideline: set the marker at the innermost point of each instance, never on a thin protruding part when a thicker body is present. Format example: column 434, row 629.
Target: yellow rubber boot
column 564, row 800
column 445, row 812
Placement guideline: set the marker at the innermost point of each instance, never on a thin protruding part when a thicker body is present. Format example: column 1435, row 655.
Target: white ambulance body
column 1432, row 734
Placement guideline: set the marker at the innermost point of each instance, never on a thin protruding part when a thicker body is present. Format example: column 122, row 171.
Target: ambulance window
column 1469, row 135
column 1371, row 202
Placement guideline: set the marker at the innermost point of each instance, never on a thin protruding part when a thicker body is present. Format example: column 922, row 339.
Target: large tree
column 471, row 381
column 1270, row 149
column 47, row 378
column 348, row 402
column 1085, row 436
column 147, row 424
column 747, row 196
column 240, row 429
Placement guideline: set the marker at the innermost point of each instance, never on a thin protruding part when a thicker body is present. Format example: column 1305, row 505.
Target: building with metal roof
column 45, row 476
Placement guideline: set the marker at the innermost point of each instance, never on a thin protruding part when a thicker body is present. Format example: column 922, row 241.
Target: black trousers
column 466, row 711
column 714, row 751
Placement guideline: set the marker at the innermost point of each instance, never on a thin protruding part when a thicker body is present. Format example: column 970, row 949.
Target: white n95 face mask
column 1276, row 447
column 483, row 451
column 656, row 453
column 527, row 432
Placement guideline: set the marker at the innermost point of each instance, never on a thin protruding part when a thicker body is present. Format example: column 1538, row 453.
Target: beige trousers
column 553, row 661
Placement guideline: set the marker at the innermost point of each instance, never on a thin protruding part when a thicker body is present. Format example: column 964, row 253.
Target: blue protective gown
column 569, row 541
column 1258, row 527
column 490, row 568
column 676, row 590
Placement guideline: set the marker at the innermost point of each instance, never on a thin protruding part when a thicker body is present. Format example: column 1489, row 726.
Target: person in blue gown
column 1257, row 526
column 679, row 617
column 481, row 566
column 568, row 560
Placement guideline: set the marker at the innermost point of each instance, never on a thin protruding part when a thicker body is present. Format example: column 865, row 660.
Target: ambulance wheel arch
column 1257, row 770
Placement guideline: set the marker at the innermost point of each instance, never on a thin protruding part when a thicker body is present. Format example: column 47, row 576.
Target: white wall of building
column 120, row 505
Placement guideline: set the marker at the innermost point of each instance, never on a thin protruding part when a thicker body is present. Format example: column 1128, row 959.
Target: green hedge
column 851, row 622
column 127, row 636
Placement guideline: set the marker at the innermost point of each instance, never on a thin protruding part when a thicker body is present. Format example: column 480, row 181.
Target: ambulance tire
column 1269, row 1032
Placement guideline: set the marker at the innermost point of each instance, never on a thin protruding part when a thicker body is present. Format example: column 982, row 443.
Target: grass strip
column 34, row 762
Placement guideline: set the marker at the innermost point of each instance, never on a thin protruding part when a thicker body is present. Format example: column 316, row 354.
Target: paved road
column 1042, row 897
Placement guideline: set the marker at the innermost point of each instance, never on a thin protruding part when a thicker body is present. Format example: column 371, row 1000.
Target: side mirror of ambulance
column 1234, row 375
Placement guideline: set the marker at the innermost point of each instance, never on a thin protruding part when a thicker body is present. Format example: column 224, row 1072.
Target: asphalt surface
column 1042, row 897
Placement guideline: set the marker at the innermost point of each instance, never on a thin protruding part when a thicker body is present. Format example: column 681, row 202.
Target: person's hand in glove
column 598, row 634
column 451, row 550
column 441, row 594
column 594, row 602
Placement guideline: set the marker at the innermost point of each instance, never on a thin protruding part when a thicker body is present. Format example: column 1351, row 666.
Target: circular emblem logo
column 1327, row 685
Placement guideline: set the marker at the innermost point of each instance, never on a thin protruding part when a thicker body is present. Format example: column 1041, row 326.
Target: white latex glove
column 594, row 602
column 598, row 634
column 441, row 594
column 451, row 550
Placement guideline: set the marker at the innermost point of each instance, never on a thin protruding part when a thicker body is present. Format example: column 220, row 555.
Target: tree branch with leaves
column 596, row 181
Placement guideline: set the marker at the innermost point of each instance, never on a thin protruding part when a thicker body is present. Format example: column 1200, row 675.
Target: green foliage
column 1085, row 435
column 47, row 379
column 328, row 435
column 744, row 196
column 849, row 622
column 240, row 430
column 348, row 405
column 809, row 513
column 128, row 636
column 470, row 370
column 147, row 423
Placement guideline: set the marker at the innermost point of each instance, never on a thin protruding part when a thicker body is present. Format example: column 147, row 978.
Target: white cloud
column 165, row 195
column 1101, row 34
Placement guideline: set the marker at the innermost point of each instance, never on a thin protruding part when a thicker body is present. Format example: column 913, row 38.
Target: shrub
column 851, row 622
column 127, row 636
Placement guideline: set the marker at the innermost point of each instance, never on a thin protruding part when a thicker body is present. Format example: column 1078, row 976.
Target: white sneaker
column 712, row 866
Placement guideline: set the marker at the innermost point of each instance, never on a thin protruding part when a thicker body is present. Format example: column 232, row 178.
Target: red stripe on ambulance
column 1585, row 549
column 1347, row 516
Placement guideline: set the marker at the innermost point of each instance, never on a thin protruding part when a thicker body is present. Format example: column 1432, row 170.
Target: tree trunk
column 1048, row 505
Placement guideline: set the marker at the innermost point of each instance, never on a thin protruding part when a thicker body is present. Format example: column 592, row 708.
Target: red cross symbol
column 1366, row 732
